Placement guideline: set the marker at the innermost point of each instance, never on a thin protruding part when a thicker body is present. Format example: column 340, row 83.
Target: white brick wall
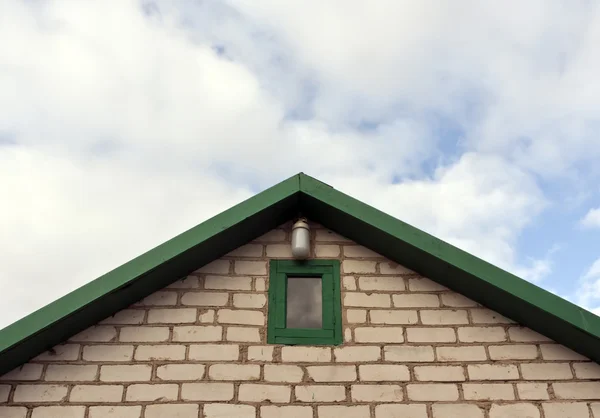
column 412, row 349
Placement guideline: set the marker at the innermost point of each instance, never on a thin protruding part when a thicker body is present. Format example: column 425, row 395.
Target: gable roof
column 464, row 273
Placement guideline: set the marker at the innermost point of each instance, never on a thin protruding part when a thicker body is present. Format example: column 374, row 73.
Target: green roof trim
column 497, row 289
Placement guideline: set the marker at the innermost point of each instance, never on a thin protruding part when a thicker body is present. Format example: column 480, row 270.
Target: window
column 304, row 302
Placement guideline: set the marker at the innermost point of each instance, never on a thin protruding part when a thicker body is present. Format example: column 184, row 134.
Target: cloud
column 591, row 219
column 588, row 293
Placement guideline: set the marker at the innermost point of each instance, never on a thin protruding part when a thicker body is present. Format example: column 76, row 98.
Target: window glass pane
column 304, row 302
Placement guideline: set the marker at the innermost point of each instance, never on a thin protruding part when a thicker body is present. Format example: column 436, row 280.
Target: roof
column 464, row 273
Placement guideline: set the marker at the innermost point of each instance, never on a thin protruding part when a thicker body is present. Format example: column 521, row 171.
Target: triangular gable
column 497, row 289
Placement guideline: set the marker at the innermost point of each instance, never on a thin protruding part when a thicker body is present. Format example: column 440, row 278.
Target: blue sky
column 125, row 122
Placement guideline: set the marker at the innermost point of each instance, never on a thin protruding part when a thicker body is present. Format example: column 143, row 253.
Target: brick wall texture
column 413, row 349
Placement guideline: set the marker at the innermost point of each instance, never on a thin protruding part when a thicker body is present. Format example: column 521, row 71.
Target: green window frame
column 331, row 331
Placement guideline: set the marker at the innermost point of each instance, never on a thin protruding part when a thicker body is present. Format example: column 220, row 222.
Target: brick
column 517, row 410
column 172, row 316
column 260, row 353
column 227, row 283
column 403, row 411
column 566, row 410
column 486, row 316
column 357, row 354
column 329, row 236
column 320, row 393
column 355, row 411
column 279, row 251
column 522, row 334
column 456, row 300
column 376, row 393
column 206, row 316
column 215, row 267
column 219, row 410
column 96, row 393
column 61, row 352
column 115, row 412
column 249, row 392
column 159, row 299
column 160, row 352
column 358, row 266
column 180, row 372
column 513, row 352
column 252, row 268
column 546, row 371
column 456, row 410
column 144, row 334
column 58, row 412
column 349, row 283
column 358, row 251
column 234, row 372
column 383, row 284
column 248, row 250
column 379, row 335
column 205, row 299
column 275, row 235
column 356, row 316
column 154, row 393
column 13, row 411
column 432, row 392
column 39, row 393
column 348, row 335
column 207, row 391
column 125, row 373
column 393, row 317
column 440, row 373
column 260, row 284
column 4, row 392
column 283, row 373
column 327, row 251
column 424, row 285
column 332, row 373
column 444, row 317
column 191, row 333
column 587, row 370
column 214, row 352
column 408, row 354
column 430, row 335
column 578, row 390
column 488, row 391
column 241, row 317
column 189, row 282
column 559, row 352
column 108, row 353
column 172, row 411
column 481, row 334
column 416, row 300
column 70, row 373
column 533, row 391
column 273, row 411
column 249, row 300
column 383, row 373
column 240, row 334
column 389, row 267
column 306, row 354
column 465, row 353
column 364, row 300
column 26, row 372
column 96, row 334
column 493, row 372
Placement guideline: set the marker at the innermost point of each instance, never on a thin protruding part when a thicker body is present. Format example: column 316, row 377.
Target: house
column 381, row 320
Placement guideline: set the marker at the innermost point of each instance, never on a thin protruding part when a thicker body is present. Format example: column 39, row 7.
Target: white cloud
column 131, row 128
column 591, row 219
column 588, row 293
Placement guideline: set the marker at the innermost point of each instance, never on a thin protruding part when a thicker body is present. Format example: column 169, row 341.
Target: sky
column 125, row 122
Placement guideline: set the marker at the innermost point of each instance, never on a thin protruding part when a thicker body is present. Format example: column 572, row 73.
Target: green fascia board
column 497, row 289
column 481, row 281
column 147, row 273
